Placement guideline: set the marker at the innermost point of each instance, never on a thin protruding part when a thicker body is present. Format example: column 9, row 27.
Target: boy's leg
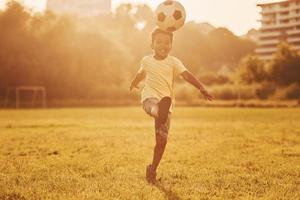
column 158, row 109
column 161, row 142
column 163, row 109
column 151, row 107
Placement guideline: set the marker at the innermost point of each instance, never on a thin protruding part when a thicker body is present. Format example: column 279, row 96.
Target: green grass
column 213, row 153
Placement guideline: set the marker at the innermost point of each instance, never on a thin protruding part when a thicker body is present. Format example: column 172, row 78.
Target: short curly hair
column 158, row 31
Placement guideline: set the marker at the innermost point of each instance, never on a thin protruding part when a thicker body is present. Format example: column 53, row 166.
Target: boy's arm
column 138, row 78
column 190, row 78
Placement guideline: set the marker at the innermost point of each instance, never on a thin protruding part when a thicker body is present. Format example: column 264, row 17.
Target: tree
column 145, row 15
column 285, row 66
column 251, row 70
column 227, row 47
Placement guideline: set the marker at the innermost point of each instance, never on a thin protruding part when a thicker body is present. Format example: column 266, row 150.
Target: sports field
column 101, row 153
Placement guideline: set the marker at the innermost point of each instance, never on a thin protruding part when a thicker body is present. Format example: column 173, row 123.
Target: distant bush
column 283, row 69
column 246, row 92
column 186, row 93
column 293, row 91
column 265, row 90
column 252, row 70
column 232, row 92
column 287, row 93
column 225, row 92
column 211, row 78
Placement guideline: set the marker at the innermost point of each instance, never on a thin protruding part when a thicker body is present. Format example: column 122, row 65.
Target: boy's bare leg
column 161, row 129
column 161, row 142
column 161, row 133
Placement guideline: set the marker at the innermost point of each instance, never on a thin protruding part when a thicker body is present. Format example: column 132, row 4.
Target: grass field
column 213, row 153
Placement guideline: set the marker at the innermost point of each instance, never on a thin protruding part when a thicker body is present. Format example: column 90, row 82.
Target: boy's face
column 162, row 45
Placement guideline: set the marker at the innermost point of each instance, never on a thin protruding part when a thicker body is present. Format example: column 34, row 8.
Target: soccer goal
column 31, row 96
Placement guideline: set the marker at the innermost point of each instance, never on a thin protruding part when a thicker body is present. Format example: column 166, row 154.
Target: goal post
column 16, row 92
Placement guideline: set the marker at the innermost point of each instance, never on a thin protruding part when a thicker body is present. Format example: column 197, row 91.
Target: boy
column 159, row 71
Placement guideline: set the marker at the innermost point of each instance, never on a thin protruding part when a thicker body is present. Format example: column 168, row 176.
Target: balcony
column 275, row 10
column 295, row 7
column 295, row 39
column 289, row 16
column 278, row 8
column 295, row 14
column 268, row 42
column 266, row 50
column 268, row 19
column 277, row 26
column 293, row 32
column 273, row 34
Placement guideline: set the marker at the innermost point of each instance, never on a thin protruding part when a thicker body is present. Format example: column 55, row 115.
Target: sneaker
column 163, row 109
column 150, row 175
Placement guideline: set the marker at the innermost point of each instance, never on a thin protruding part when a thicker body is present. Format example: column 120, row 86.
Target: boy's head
column 161, row 42
column 158, row 31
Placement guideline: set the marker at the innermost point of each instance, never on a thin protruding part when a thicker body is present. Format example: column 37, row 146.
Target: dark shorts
column 163, row 129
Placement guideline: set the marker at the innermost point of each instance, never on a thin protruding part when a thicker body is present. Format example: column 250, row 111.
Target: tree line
column 95, row 58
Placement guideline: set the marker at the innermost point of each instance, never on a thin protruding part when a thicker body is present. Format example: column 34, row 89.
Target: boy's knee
column 150, row 106
column 154, row 111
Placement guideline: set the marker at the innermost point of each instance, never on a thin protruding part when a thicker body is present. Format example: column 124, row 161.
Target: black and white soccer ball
column 170, row 16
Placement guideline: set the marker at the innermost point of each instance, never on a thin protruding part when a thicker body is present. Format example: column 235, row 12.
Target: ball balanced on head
column 170, row 16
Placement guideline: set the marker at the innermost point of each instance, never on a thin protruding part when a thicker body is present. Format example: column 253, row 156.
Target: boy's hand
column 206, row 95
column 132, row 87
column 192, row 80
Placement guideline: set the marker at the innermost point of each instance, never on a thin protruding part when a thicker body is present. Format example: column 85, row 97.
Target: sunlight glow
column 35, row 5
column 39, row 5
column 238, row 16
column 140, row 25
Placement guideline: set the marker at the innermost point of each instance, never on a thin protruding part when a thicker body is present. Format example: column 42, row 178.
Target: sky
column 237, row 15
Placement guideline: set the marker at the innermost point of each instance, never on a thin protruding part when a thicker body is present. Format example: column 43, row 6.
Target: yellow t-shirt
column 160, row 76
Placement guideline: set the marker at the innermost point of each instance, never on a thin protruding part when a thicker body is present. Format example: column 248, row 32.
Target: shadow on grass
column 291, row 154
column 168, row 192
column 12, row 196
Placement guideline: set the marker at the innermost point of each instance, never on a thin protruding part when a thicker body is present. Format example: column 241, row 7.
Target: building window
column 284, row 13
column 284, row 5
column 285, row 21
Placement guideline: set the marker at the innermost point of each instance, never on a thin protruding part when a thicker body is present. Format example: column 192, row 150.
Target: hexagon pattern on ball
column 170, row 16
column 161, row 17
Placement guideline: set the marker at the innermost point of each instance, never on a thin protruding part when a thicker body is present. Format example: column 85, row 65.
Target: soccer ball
column 170, row 16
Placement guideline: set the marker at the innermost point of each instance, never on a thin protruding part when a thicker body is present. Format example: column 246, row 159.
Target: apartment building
column 280, row 21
